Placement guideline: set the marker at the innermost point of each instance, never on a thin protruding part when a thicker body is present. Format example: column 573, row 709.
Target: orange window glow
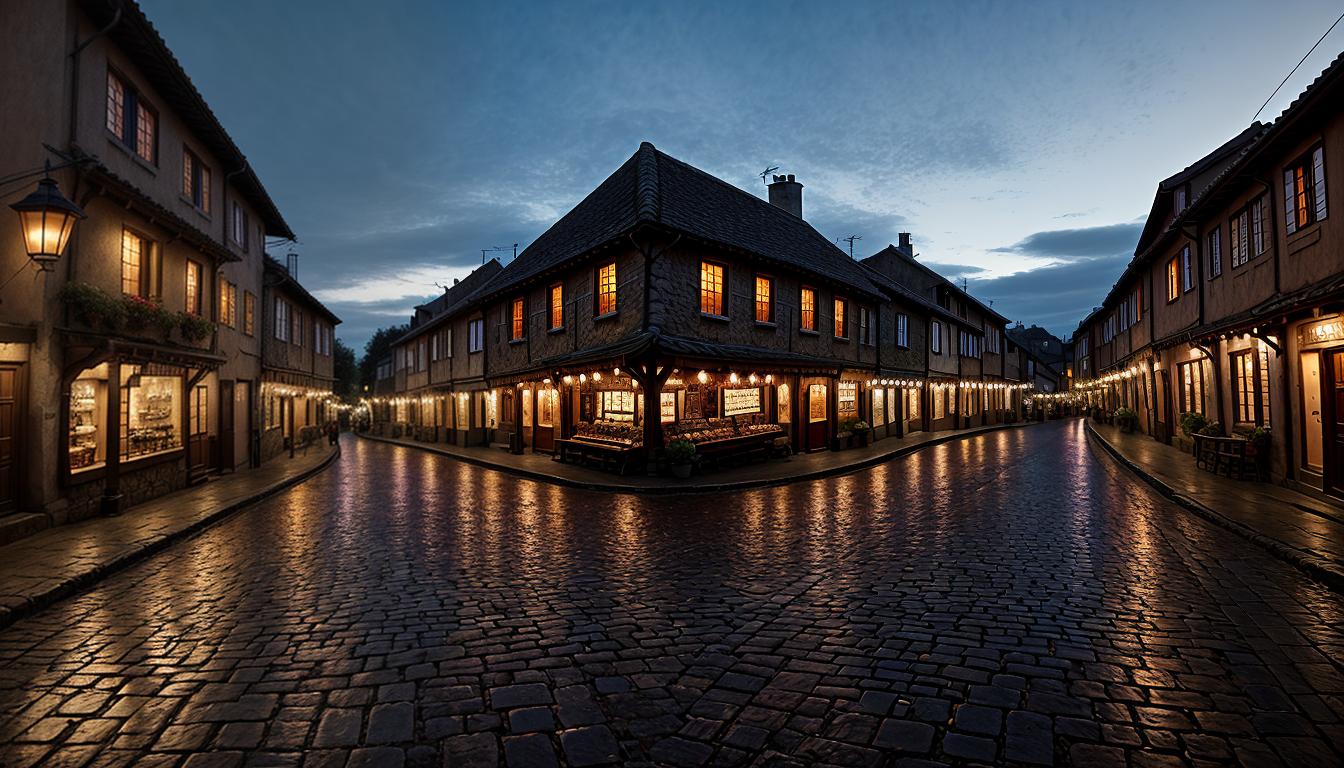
column 764, row 309
column 557, row 305
column 711, row 288
column 606, row 289
column 807, row 310
column 840, row 331
column 517, row 319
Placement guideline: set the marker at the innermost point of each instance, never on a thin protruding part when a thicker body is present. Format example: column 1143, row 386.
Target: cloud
column 1105, row 240
column 958, row 270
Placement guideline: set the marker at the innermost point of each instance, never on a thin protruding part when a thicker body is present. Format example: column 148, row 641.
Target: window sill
column 197, row 209
column 116, row 141
column 474, row 351
column 514, row 342
column 554, row 331
column 766, row 325
column 807, row 332
column 714, row 317
column 608, row 316
column 841, row 339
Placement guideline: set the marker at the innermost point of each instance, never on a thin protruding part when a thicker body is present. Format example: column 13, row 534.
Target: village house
column 669, row 303
column 1230, row 309
column 131, row 357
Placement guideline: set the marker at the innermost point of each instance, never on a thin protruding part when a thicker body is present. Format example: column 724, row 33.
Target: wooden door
column 818, row 417
column 227, row 432
column 1334, row 427
column 11, row 434
column 198, row 436
column 546, row 421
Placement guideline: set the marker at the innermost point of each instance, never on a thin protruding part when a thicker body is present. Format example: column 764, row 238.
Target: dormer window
column 1179, row 200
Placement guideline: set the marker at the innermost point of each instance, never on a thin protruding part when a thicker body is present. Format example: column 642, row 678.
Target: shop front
column 1317, row 350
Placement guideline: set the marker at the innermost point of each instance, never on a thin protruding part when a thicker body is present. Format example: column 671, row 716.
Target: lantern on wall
column 47, row 219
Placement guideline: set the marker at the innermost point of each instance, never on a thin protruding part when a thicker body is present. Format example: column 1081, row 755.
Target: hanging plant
column 93, row 306
column 194, row 328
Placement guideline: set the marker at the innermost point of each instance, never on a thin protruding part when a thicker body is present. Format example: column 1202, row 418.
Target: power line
column 1294, row 70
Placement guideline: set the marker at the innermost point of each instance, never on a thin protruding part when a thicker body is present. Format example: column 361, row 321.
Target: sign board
column 1322, row 332
column 740, row 402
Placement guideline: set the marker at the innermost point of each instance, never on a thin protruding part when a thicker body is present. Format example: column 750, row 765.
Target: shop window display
column 151, row 413
column 88, row 414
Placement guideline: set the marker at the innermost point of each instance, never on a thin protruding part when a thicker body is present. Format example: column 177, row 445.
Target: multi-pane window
column 1173, row 281
column 1304, row 191
column 1250, row 387
column 841, row 311
column 711, row 288
column 1239, row 242
column 1215, row 253
column 516, row 320
column 296, row 329
column 557, row 306
column 992, row 340
column 249, row 313
column 903, row 330
column 441, row 344
column 195, row 180
column 969, row 344
column 281, row 319
column 1191, row 377
column 321, row 338
column 238, row 224
column 807, row 309
column 1259, row 213
column 133, row 251
column 1187, row 274
column 131, row 120
column 765, row 307
column 936, row 337
column 228, row 303
column 194, row 280
column 476, row 335
column 1180, row 199
column 606, row 289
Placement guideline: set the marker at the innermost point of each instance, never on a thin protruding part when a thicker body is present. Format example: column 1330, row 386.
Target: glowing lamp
column 47, row 219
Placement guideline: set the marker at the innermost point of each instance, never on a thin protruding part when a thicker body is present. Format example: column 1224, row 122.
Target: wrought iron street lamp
column 47, row 219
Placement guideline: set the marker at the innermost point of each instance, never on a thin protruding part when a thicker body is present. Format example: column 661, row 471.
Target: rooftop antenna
column 963, row 285
column 850, row 239
column 495, row 248
column 769, row 170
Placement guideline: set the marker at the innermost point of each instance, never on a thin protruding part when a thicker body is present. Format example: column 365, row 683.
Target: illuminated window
column 516, row 320
column 195, row 180
column 841, row 332
column 116, row 96
column 146, row 129
column 249, row 313
column 1304, row 191
column 133, row 249
column 606, row 289
column 807, row 309
column 1173, row 282
column 711, row 288
column 557, row 306
column 1250, row 387
column 1191, row 378
column 228, row 303
column 194, row 273
column 765, row 308
column 131, row 120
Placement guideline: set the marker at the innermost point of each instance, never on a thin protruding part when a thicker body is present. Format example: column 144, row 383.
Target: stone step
column 19, row 525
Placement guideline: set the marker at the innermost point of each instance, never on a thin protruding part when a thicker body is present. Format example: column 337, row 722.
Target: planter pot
column 681, row 471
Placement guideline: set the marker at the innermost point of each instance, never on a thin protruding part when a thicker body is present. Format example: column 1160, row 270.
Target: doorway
column 227, row 432
column 818, row 417
column 11, row 434
column 545, row 430
column 1334, row 432
column 198, row 438
column 1313, row 427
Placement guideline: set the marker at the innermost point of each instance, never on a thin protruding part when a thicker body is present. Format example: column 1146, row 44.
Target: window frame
column 840, row 317
column 238, row 225
column 902, row 330
column 556, row 298
column 769, row 301
column 127, row 133
column 1187, row 270
column 719, row 270
column 195, row 181
column 1316, row 187
column 936, row 337
column 604, row 299
column 807, row 310
column 1214, row 242
column 194, row 294
column 249, row 313
column 475, row 335
column 1173, row 280
column 280, row 319
column 518, row 319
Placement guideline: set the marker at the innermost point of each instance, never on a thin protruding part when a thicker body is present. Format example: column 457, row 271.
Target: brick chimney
column 904, row 244
column 787, row 194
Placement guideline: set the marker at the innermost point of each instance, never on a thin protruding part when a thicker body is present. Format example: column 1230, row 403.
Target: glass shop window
column 847, row 399
column 879, row 407
column 912, row 397
column 88, row 416
column 151, row 413
column 617, row 405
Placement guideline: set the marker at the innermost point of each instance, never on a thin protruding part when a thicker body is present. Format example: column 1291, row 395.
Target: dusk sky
column 1020, row 143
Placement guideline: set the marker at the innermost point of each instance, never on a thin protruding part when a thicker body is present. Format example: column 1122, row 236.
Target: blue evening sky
column 1019, row 142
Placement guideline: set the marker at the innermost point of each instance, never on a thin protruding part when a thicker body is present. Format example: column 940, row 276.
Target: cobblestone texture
column 1009, row 597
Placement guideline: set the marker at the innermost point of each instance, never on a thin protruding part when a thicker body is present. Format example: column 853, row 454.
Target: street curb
column 85, row 580
column 684, row 490
column 1317, row 568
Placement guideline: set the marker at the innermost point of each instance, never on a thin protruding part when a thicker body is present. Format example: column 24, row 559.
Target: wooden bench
column 1217, row 454
column 611, row 455
column 750, row 447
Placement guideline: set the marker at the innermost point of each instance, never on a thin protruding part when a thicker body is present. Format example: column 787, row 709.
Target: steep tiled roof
column 283, row 279
column 462, row 288
column 943, row 281
column 655, row 188
column 475, row 286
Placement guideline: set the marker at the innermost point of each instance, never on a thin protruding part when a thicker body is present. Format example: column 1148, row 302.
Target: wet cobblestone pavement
column 1007, row 598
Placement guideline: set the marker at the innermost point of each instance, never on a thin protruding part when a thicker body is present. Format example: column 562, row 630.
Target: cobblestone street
column 1011, row 597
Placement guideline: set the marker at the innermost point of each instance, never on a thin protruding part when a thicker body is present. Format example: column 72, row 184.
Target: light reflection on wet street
column 1007, row 597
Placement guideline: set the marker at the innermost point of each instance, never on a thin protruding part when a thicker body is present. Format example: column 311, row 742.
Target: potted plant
column 1257, row 448
column 1126, row 418
column 194, row 328
column 860, row 431
column 1190, row 423
column 680, row 457
column 93, row 307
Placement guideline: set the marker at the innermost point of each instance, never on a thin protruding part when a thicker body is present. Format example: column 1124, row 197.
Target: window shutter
column 1288, row 210
column 1318, row 175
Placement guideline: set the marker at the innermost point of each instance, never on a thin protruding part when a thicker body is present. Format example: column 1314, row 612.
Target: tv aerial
column 850, row 239
column 769, row 170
